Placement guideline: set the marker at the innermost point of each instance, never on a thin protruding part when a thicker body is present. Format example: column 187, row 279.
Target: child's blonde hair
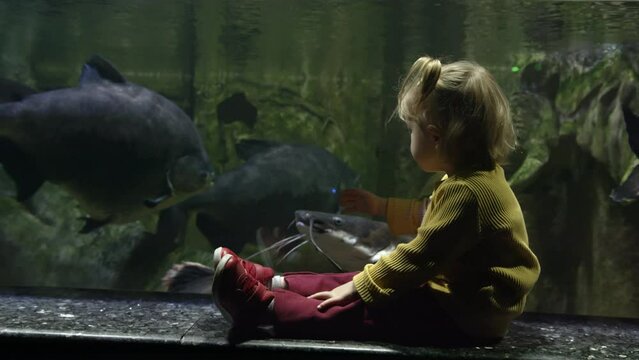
column 463, row 100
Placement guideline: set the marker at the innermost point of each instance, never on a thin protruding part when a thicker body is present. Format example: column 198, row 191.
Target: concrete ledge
column 105, row 324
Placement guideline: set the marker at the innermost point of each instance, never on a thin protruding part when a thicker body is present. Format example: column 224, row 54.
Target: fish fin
column 151, row 203
column 13, row 91
column 189, row 277
column 99, row 69
column 89, row 75
column 91, row 224
column 628, row 191
column 246, row 148
column 21, row 168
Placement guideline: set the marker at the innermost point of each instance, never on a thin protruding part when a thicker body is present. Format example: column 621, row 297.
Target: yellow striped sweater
column 471, row 250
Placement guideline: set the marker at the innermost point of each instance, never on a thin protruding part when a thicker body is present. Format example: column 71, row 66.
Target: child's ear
column 433, row 131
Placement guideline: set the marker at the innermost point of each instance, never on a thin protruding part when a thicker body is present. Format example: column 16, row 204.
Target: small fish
column 237, row 108
column 349, row 242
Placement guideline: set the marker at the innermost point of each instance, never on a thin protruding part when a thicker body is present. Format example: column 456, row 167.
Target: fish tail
column 189, row 277
column 19, row 165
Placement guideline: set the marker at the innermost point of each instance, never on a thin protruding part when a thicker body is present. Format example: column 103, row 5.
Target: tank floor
column 96, row 324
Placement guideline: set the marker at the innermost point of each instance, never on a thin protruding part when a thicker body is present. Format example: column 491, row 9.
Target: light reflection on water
column 456, row 26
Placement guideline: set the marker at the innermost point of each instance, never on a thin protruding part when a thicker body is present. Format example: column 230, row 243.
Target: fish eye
column 338, row 221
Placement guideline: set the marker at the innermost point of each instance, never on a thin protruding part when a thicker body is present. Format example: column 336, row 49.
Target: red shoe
column 261, row 273
column 242, row 300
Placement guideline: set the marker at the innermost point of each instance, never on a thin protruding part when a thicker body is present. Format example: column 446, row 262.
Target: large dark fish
column 349, row 242
column 121, row 149
column 262, row 193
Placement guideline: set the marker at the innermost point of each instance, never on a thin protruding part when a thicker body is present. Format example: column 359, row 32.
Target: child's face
column 423, row 147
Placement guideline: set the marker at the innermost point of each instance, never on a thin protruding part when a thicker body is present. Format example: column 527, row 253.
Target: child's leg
column 295, row 315
column 308, row 283
column 245, row 302
column 413, row 319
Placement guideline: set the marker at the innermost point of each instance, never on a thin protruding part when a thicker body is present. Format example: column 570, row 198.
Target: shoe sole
column 219, row 268
column 217, row 256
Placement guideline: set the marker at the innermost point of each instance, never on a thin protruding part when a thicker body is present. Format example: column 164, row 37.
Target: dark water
column 325, row 73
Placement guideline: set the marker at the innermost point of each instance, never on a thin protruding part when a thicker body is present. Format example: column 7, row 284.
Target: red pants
column 416, row 318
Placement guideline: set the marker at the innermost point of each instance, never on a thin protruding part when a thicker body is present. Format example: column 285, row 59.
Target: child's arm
column 362, row 201
column 340, row 296
column 451, row 228
column 403, row 215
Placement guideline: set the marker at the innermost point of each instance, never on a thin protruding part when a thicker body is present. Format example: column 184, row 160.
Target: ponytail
column 465, row 103
column 422, row 76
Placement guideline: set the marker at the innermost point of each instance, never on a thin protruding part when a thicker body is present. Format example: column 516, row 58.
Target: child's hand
column 362, row 201
column 341, row 295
